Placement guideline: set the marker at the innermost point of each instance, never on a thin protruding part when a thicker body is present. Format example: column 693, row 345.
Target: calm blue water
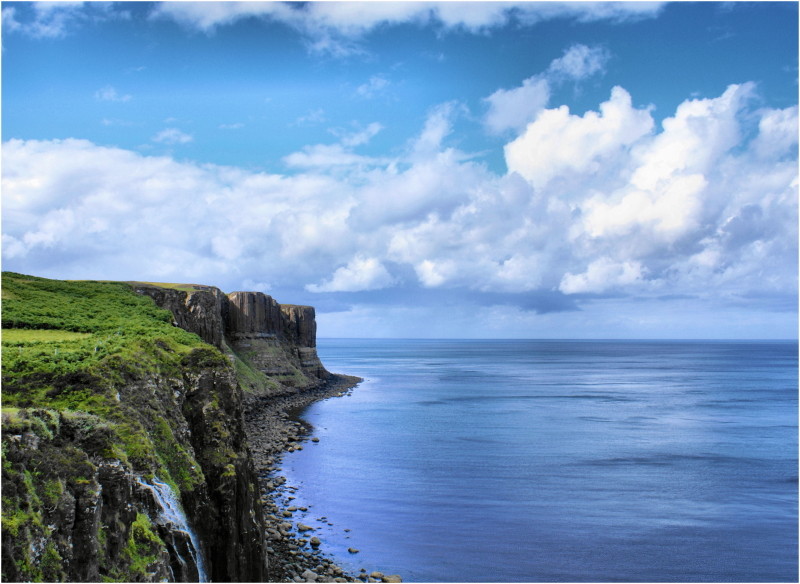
column 548, row 461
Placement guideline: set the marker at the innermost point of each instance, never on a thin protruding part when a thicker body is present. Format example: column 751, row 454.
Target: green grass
column 28, row 336
column 54, row 329
column 173, row 286
column 91, row 372
column 70, row 347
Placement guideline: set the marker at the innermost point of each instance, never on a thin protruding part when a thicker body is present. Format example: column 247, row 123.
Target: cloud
column 670, row 191
column 116, row 122
column 438, row 125
column 558, row 142
column 313, row 117
column 361, row 273
column 45, row 20
column 614, row 12
column 172, row 136
column 108, row 93
column 579, row 62
column 373, row 87
column 514, row 109
column 703, row 206
column 207, row 16
column 336, row 155
column 54, row 20
column 335, row 27
column 361, row 136
column 325, row 156
column 254, row 286
column 601, row 275
column 89, row 210
column 777, row 133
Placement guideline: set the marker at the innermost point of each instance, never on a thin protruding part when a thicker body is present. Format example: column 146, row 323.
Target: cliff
column 272, row 346
column 124, row 451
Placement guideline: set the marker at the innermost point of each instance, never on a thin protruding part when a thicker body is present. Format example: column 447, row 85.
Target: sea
column 556, row 461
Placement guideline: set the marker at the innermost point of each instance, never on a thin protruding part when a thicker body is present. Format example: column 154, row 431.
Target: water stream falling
column 172, row 512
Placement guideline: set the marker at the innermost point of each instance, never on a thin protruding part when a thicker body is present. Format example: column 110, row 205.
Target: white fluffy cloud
column 55, row 19
column 340, row 154
column 601, row 275
column 50, row 19
column 209, row 15
column 604, row 202
column 354, row 19
column 361, row 273
column 515, row 108
column 559, row 143
column 579, row 62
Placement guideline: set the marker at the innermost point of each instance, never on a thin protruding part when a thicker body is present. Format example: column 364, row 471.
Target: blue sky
column 417, row 169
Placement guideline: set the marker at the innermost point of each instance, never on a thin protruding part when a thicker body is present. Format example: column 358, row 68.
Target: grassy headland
column 69, row 349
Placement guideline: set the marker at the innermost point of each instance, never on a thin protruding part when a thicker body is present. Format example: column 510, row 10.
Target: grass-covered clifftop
column 67, row 346
column 100, row 392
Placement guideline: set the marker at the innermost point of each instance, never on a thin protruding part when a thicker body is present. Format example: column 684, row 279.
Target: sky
column 417, row 169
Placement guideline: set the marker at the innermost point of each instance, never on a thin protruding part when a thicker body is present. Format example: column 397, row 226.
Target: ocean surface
column 547, row 461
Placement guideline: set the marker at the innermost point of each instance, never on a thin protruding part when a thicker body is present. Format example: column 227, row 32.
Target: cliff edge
column 125, row 456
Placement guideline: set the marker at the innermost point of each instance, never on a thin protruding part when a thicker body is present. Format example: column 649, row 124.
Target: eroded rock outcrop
column 87, row 516
column 199, row 310
column 277, row 340
column 253, row 315
column 270, row 339
column 300, row 325
column 232, row 521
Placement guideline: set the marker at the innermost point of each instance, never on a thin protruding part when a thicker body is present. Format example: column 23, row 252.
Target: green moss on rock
column 143, row 549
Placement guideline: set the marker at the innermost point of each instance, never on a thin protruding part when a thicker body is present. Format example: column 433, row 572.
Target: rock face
column 91, row 515
column 198, row 311
column 300, row 325
column 91, row 492
column 253, row 315
column 273, row 340
column 230, row 520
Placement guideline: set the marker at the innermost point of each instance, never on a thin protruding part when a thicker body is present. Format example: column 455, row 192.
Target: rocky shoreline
column 274, row 428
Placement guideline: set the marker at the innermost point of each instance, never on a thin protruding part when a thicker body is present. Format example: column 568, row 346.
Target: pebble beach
column 275, row 428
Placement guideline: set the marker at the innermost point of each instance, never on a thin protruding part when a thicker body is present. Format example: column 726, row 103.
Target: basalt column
column 253, row 315
column 300, row 330
column 280, row 341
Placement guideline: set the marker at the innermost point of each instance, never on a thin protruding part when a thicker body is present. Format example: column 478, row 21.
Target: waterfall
column 172, row 513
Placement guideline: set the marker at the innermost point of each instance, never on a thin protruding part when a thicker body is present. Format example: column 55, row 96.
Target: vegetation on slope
column 69, row 349
column 67, row 346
